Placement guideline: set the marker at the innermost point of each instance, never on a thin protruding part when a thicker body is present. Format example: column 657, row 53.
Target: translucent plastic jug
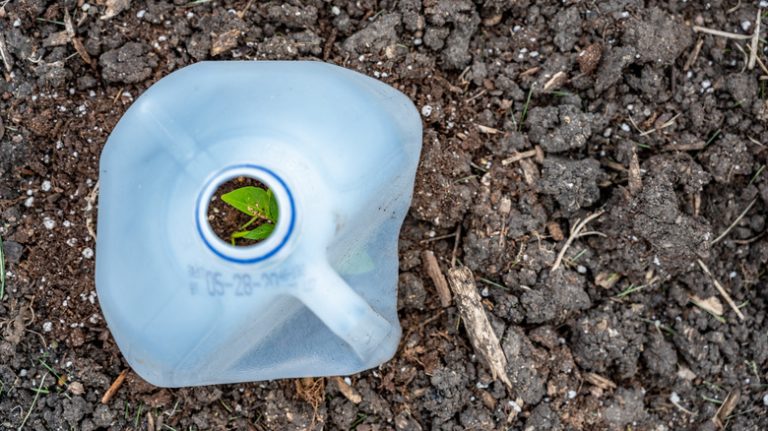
column 318, row 297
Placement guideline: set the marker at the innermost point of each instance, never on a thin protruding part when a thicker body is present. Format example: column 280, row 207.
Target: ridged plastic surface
column 318, row 297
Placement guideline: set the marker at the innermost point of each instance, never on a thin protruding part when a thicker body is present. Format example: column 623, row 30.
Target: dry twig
column 576, row 232
column 5, row 55
column 479, row 329
column 694, row 54
column 722, row 290
column 712, row 31
column 741, row 216
column 535, row 152
column 114, row 387
column 755, row 40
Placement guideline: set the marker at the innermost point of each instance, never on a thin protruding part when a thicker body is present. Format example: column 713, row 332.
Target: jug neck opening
column 284, row 223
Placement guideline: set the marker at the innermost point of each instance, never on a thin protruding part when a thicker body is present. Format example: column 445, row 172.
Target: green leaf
column 250, row 200
column 273, row 210
column 256, row 234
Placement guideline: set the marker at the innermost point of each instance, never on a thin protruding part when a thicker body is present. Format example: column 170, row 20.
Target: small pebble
column 46, row 186
column 674, row 398
column 140, row 14
column 571, row 394
column 426, row 110
column 87, row 252
column 47, row 327
column 746, row 25
column 335, row 11
column 29, row 201
column 48, row 223
column 765, row 400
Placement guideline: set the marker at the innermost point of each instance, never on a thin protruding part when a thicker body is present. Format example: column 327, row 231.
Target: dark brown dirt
column 611, row 340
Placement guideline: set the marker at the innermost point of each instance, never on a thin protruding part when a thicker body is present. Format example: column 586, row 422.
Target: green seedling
column 257, row 203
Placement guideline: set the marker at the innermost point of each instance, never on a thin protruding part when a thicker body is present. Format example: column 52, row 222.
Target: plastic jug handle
column 345, row 312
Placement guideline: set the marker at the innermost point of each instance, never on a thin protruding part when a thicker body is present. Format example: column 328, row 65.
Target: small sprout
column 259, row 204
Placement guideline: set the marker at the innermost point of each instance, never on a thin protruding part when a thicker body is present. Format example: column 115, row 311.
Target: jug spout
column 345, row 312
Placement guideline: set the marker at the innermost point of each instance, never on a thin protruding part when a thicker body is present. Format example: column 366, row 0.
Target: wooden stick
column 721, row 33
column 114, row 387
column 348, row 391
column 432, row 267
column 694, row 55
column 722, row 290
column 518, row 156
column 755, row 39
column 479, row 329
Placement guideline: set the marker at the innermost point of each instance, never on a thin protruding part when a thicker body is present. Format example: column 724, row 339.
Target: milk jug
column 339, row 152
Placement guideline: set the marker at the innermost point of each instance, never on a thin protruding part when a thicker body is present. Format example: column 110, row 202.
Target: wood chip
column 726, row 408
column 557, row 80
column 76, row 43
column 554, row 230
column 60, row 38
column 481, row 335
column 348, row 391
column 492, row 20
column 224, row 42
column 711, row 304
column 488, row 130
column 600, row 381
column 607, row 280
column 114, row 387
column 530, row 172
column 76, row 388
column 114, row 7
column 589, row 58
column 432, row 267
column 685, row 373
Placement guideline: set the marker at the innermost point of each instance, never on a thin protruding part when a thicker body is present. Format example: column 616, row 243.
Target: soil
column 536, row 115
